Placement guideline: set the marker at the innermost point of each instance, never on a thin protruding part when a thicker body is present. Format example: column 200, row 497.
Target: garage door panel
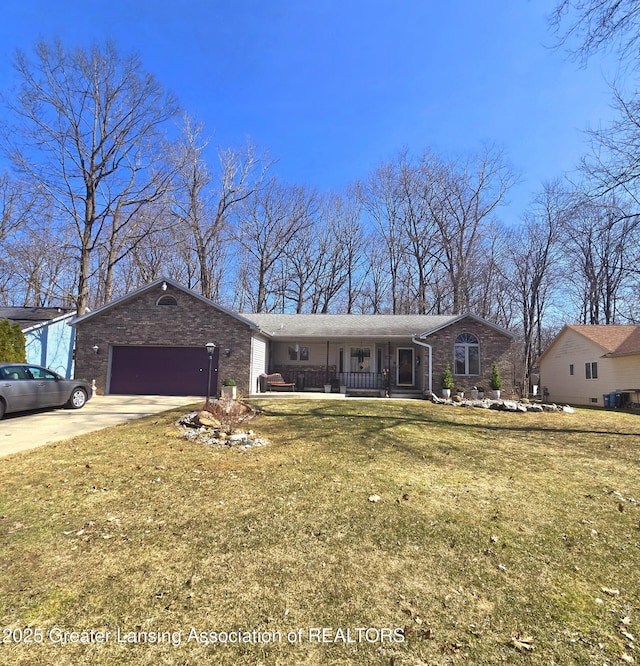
column 162, row 370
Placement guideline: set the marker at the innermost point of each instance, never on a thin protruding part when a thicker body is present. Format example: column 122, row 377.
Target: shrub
column 447, row 378
column 12, row 343
column 229, row 382
column 496, row 381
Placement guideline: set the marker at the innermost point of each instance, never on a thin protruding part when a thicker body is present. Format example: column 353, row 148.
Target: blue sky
column 332, row 88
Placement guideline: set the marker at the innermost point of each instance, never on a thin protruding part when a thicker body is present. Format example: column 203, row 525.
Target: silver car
column 24, row 387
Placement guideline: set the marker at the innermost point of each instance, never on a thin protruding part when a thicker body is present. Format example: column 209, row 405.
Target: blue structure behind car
column 24, row 387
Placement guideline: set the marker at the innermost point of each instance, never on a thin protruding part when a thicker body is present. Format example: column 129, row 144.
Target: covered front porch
column 360, row 367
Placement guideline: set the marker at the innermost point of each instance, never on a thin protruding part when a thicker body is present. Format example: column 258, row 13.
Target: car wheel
column 2, row 408
column 78, row 399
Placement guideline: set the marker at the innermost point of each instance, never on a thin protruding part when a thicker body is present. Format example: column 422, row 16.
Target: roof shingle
column 344, row 325
column 616, row 340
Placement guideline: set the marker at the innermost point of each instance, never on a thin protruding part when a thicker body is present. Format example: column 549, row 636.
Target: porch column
column 326, row 378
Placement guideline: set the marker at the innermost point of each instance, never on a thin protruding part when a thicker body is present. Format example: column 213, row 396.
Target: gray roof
column 28, row 317
column 344, row 325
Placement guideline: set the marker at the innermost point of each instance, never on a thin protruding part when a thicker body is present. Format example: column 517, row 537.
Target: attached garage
column 153, row 340
column 162, row 370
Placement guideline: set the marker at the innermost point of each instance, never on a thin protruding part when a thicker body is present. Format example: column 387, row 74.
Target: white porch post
column 424, row 344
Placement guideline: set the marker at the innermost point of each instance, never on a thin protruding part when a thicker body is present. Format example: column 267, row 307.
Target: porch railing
column 361, row 380
column 316, row 379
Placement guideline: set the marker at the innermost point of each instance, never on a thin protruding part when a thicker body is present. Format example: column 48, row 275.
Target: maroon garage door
column 162, row 371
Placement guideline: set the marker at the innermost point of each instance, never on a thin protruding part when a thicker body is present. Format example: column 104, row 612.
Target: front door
column 405, row 367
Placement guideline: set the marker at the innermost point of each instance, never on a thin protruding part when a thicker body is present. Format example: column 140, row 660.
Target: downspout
column 424, row 344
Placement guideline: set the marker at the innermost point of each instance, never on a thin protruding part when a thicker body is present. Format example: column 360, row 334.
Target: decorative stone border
column 505, row 405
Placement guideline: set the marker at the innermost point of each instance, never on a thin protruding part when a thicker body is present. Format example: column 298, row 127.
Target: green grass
column 492, row 528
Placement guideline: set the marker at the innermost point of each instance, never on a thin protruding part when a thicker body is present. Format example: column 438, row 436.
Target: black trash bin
column 605, row 400
column 262, row 379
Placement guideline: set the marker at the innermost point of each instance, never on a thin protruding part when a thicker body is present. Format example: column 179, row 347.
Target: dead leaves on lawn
column 522, row 642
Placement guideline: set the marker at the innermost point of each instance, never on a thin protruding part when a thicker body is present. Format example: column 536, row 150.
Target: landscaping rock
column 189, row 420
column 216, row 425
column 504, row 405
column 208, row 420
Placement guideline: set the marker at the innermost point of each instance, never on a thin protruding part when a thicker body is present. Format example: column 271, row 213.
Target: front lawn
column 366, row 532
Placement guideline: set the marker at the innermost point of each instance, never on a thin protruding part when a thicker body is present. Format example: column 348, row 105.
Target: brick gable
column 141, row 321
column 494, row 346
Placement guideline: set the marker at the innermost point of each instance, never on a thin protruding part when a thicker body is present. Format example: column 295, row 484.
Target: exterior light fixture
column 96, row 349
column 210, row 347
column 228, row 351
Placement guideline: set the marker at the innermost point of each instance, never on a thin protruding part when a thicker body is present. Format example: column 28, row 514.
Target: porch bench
column 276, row 381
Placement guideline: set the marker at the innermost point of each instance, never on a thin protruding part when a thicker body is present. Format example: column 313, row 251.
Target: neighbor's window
column 591, row 370
column 467, row 355
column 571, row 369
column 167, row 300
column 293, row 353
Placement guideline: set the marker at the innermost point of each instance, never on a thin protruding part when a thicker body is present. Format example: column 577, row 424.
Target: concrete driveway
column 19, row 432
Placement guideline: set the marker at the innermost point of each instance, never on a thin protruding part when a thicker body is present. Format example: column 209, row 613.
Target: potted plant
column 480, row 392
column 474, row 393
column 384, row 391
column 229, row 389
column 496, row 381
column 447, row 382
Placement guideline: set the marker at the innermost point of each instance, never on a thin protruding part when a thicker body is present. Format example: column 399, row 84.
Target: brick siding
column 494, row 346
column 139, row 321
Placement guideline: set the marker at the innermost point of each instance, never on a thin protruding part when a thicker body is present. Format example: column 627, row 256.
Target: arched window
column 166, row 300
column 467, row 355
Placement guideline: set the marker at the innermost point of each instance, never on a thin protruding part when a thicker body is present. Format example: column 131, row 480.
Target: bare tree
column 268, row 222
column 375, row 291
column 595, row 25
column 613, row 165
column 382, row 198
column 204, row 200
column 421, row 232
column 534, row 253
column 340, row 244
column 38, row 258
column 489, row 297
column 88, row 123
column 602, row 241
column 462, row 197
column 17, row 206
column 614, row 161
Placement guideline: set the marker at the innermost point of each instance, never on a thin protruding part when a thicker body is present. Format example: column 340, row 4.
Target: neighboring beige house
column 585, row 363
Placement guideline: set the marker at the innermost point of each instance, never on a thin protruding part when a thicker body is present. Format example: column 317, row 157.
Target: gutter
column 424, row 344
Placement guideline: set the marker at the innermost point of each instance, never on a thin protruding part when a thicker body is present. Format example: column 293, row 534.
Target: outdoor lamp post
column 210, row 349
